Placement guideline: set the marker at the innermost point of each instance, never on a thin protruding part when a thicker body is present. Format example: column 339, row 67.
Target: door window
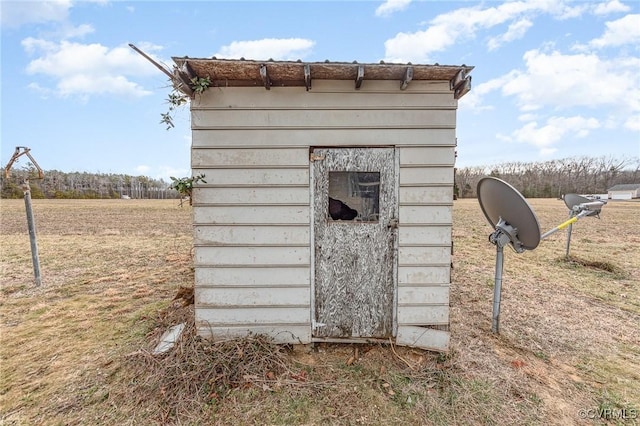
column 354, row 196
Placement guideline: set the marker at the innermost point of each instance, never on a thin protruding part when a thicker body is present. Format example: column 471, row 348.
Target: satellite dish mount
column 515, row 224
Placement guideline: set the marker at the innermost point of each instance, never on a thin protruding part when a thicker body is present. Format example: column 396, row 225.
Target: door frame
column 312, row 264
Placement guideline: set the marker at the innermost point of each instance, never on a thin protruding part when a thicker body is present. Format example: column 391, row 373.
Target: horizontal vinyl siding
column 330, row 95
column 420, row 157
column 425, row 215
column 221, row 297
column 329, row 118
column 255, row 177
column 253, row 276
column 252, row 218
column 423, row 295
column 423, row 255
column 251, row 195
column 420, row 314
column 281, row 334
column 249, row 157
column 426, row 195
column 425, row 235
column 412, row 276
column 424, row 241
column 251, row 235
column 323, row 136
column 239, row 255
column 253, row 316
column 263, row 214
column 426, row 175
column 251, row 238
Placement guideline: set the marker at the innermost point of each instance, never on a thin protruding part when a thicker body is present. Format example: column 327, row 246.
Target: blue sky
column 552, row 79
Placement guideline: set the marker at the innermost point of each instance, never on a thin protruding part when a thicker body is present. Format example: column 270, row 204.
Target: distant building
column 624, row 191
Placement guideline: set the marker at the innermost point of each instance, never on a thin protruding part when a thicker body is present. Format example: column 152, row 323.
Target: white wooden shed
column 327, row 212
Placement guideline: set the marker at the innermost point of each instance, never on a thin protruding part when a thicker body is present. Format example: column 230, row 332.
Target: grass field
column 76, row 350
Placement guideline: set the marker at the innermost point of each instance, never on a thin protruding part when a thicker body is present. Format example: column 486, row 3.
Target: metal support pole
column 497, row 290
column 569, row 229
column 32, row 233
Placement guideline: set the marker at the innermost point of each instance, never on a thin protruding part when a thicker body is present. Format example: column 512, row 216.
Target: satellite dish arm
column 566, row 223
column 22, row 150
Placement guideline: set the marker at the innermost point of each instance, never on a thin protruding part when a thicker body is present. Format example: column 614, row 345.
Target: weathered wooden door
column 355, row 211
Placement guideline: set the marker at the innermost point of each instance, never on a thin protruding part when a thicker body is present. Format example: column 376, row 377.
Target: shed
column 327, row 212
column 624, row 191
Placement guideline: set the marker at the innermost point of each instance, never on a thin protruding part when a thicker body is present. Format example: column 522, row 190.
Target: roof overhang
column 249, row 73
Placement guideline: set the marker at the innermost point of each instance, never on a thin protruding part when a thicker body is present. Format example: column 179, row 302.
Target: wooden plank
column 229, row 157
column 426, row 175
column 426, row 295
column 445, row 156
column 322, row 137
column 281, row 334
column 226, row 255
column 425, row 215
column 424, row 255
column 251, row 296
column 431, row 87
column 423, row 315
column 278, row 176
column 251, row 235
column 251, row 195
column 423, row 337
column 409, row 275
column 426, row 194
column 251, row 215
column 217, row 317
column 334, row 118
column 408, row 235
column 250, row 275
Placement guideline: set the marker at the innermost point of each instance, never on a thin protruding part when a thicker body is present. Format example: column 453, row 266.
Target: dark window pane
column 354, row 196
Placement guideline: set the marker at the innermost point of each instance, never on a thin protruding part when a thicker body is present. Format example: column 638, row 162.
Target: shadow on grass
column 596, row 265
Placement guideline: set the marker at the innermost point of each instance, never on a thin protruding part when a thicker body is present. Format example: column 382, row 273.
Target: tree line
column 57, row 184
column 553, row 178
column 548, row 179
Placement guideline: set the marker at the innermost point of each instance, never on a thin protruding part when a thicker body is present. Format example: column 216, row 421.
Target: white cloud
column 633, row 124
column 565, row 81
column 72, row 31
column 516, row 31
column 527, row 117
column 278, row 49
column 15, row 13
column 88, row 69
column 553, row 131
column 391, row 6
column 612, row 6
column 450, row 28
column 473, row 99
column 623, row 31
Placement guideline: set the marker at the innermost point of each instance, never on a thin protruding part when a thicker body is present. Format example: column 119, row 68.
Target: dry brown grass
column 77, row 350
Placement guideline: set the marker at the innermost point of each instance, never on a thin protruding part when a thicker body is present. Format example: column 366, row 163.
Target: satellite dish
column 507, row 210
column 576, row 203
column 580, row 206
column 515, row 223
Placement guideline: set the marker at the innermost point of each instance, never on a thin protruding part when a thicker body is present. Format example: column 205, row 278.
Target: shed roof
column 242, row 73
column 625, row 187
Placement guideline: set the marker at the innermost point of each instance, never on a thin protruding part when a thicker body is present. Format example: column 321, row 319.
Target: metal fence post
column 32, row 233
